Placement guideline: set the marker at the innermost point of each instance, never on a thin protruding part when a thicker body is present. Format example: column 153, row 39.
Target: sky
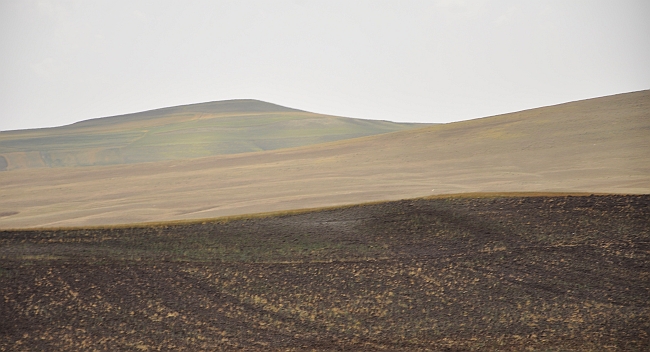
column 411, row 61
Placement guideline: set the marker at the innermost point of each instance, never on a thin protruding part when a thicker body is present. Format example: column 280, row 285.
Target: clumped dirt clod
column 502, row 273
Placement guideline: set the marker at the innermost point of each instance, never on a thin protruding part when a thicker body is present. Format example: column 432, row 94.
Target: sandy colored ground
column 600, row 145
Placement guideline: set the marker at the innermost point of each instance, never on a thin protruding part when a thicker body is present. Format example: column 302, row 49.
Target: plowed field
column 493, row 273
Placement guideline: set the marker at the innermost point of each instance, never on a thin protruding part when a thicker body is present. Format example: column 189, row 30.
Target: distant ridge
column 181, row 132
column 232, row 106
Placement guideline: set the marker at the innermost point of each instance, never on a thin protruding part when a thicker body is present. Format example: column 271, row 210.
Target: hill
column 451, row 274
column 182, row 132
column 598, row 145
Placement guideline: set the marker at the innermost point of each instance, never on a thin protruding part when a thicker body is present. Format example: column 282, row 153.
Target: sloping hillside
column 598, row 146
column 182, row 132
column 450, row 274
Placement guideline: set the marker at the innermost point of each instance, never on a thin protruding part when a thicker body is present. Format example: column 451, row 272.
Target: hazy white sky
column 425, row 61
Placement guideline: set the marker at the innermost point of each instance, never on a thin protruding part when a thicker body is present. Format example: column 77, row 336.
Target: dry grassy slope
column 598, row 145
column 182, row 132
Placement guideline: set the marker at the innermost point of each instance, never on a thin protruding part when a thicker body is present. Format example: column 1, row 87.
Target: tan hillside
column 599, row 145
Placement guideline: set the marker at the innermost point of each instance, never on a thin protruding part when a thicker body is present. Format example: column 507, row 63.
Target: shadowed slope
column 182, row 132
column 598, row 145
column 449, row 274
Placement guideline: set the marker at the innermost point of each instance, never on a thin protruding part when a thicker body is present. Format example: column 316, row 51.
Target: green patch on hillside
column 186, row 132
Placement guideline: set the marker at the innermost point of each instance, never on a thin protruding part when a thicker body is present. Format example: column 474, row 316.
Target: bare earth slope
column 456, row 274
column 599, row 145
column 181, row 132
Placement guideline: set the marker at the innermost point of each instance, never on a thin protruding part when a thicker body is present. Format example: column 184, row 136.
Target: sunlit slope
column 184, row 132
column 598, row 146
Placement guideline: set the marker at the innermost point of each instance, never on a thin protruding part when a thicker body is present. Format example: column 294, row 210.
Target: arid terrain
column 548, row 273
column 260, row 227
column 598, row 145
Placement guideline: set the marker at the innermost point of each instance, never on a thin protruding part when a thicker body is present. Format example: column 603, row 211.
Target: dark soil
column 539, row 273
